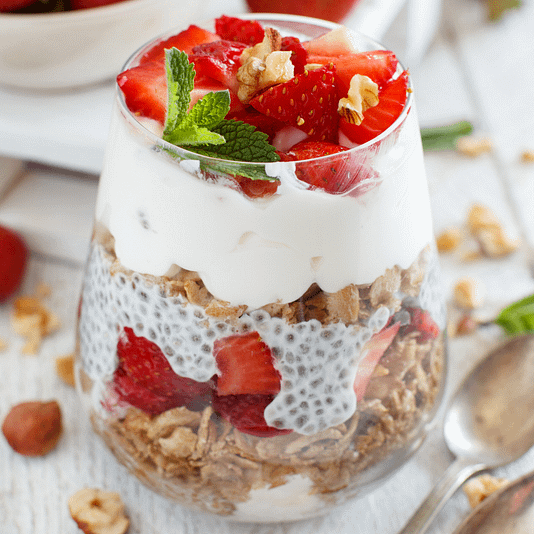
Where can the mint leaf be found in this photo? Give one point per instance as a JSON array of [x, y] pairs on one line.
[[243, 143], [518, 317], [180, 83], [444, 137], [210, 110], [192, 134], [497, 8]]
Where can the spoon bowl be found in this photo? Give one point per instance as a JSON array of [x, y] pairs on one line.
[[488, 423]]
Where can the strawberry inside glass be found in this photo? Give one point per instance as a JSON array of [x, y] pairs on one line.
[[261, 322]]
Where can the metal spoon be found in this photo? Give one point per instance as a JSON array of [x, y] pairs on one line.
[[507, 511], [489, 422]]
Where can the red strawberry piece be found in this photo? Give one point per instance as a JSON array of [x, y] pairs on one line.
[[145, 90], [14, 5], [308, 101], [218, 60], [248, 32], [245, 412], [185, 41], [391, 100], [423, 323], [374, 349], [379, 65], [88, 4], [299, 56], [335, 175], [245, 365], [13, 260], [145, 379], [257, 188]]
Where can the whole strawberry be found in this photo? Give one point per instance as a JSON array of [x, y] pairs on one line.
[[13, 260]]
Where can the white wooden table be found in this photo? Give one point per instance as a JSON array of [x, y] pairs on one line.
[[474, 70]]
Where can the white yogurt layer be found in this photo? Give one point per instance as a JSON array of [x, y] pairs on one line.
[[288, 502], [258, 252]]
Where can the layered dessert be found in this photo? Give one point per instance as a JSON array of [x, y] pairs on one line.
[[261, 323]]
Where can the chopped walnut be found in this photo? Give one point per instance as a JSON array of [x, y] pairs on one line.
[[449, 239], [488, 231], [33, 320], [65, 368], [363, 94], [478, 488], [263, 66], [98, 512], [473, 146], [469, 293]]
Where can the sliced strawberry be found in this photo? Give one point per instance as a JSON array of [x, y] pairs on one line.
[[257, 188], [186, 40], [245, 412], [218, 60], [145, 379], [308, 101], [379, 65], [13, 261], [423, 323], [374, 349], [337, 175], [87, 4], [245, 365], [391, 100], [14, 5], [248, 32], [299, 56], [145, 90]]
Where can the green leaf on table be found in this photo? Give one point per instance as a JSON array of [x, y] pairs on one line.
[[518, 317], [497, 8], [445, 137]]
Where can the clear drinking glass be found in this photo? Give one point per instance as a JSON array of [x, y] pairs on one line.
[[340, 291]]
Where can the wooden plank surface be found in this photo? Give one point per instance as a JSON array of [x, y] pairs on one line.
[[474, 70]]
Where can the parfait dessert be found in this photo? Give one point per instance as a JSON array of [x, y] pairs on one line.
[[261, 323]]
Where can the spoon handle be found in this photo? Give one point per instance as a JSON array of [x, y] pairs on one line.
[[456, 474]]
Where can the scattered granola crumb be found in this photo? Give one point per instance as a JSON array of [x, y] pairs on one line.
[[527, 156], [33, 320], [3, 345], [43, 290], [478, 488], [473, 146], [449, 239], [65, 368], [98, 512], [469, 293], [466, 325]]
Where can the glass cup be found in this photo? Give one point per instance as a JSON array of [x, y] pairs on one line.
[[337, 293]]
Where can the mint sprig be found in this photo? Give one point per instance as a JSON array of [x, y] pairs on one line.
[[517, 318], [204, 129], [444, 137]]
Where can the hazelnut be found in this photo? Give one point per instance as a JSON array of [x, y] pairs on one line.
[[33, 428]]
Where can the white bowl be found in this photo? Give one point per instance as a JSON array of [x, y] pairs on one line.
[[63, 50]]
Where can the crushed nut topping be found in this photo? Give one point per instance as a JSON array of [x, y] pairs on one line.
[[478, 488], [34, 321], [527, 156], [469, 293], [263, 66], [473, 146], [98, 512], [363, 94], [65, 368], [449, 239]]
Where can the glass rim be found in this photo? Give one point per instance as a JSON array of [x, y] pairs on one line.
[[187, 154]]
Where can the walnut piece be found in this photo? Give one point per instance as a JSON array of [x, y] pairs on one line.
[[98, 512], [469, 293], [33, 320], [263, 66], [478, 488], [473, 146], [363, 94], [65, 368]]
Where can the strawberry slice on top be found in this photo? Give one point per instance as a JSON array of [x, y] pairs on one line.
[[186, 40], [248, 32], [391, 100], [308, 101]]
